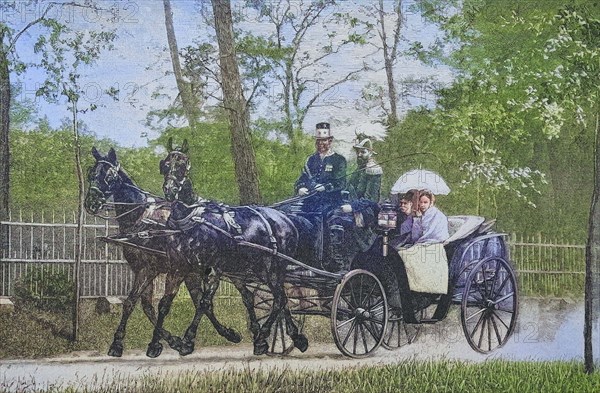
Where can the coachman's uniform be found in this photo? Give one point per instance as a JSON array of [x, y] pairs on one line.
[[330, 171]]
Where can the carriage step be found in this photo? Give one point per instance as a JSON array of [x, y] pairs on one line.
[[429, 320]]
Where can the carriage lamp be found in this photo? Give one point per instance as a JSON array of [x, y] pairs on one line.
[[388, 216], [387, 220]]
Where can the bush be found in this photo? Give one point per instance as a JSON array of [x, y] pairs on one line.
[[45, 289]]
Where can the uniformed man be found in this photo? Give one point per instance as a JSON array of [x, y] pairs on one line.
[[365, 182], [324, 173]]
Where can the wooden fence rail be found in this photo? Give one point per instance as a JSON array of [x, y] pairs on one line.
[[545, 267]]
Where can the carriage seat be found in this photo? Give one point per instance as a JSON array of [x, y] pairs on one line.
[[460, 227]]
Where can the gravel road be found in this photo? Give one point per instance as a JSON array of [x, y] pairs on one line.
[[546, 330]]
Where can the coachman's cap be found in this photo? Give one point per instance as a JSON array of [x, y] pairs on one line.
[[323, 131]]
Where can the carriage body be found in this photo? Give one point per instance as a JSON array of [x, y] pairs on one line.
[[481, 280]]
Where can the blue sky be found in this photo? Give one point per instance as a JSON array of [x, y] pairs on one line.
[[140, 63]]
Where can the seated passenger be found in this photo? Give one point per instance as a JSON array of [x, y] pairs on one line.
[[432, 225], [403, 235]]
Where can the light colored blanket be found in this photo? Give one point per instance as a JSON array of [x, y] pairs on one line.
[[426, 267]]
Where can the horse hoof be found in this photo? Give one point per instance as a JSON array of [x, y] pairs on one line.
[[187, 347], [154, 350], [176, 343], [260, 347], [116, 350], [301, 342], [233, 336]]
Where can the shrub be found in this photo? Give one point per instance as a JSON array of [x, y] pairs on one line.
[[46, 289]]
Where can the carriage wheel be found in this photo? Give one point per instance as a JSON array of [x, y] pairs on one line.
[[359, 314], [399, 333], [489, 304], [280, 343]]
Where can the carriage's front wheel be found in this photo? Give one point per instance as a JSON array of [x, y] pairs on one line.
[[489, 304], [359, 314]]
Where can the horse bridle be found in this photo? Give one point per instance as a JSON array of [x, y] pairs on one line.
[[112, 174], [167, 168]]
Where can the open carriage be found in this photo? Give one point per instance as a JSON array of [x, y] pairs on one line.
[[369, 307], [366, 304]]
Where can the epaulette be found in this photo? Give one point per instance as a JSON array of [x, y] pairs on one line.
[[374, 170]]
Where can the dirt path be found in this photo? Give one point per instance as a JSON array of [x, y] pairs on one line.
[[547, 330]]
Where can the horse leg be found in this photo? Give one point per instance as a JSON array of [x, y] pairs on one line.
[[299, 339], [172, 284], [193, 284], [141, 283], [275, 283], [202, 306], [248, 300]]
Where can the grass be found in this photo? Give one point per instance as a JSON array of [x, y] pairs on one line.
[[409, 376], [33, 334]]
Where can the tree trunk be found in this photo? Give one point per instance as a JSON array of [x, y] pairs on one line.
[[79, 230], [233, 96], [389, 69], [5, 101], [188, 101], [592, 259]]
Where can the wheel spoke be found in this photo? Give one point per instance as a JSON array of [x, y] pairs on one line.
[[498, 265], [503, 298], [364, 337], [342, 324], [482, 330], [492, 317], [475, 314], [368, 296], [508, 278], [371, 329], [349, 302], [476, 326], [356, 327], [350, 331], [500, 319]]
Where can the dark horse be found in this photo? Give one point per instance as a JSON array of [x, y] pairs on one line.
[[237, 242], [137, 213]]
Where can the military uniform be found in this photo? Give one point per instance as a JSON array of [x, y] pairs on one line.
[[329, 171], [366, 183]]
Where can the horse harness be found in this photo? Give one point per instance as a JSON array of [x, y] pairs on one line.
[[234, 230]]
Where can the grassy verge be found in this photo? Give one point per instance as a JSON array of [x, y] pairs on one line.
[[410, 376], [29, 333]]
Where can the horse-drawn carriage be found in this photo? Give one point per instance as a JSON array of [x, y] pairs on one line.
[[256, 248]]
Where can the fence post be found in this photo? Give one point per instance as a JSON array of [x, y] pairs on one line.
[[105, 259]]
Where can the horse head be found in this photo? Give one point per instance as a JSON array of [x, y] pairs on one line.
[[104, 178], [176, 168]]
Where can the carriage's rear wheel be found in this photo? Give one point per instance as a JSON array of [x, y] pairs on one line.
[[359, 314], [280, 343], [489, 304]]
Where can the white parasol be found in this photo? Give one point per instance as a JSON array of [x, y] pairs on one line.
[[421, 179]]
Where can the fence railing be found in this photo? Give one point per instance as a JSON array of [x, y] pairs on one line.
[[545, 267], [48, 242], [548, 267]]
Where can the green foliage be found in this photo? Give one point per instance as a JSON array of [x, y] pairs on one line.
[[46, 288], [42, 169], [212, 172], [526, 74]]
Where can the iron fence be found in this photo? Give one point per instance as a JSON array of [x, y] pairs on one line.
[[545, 267]]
